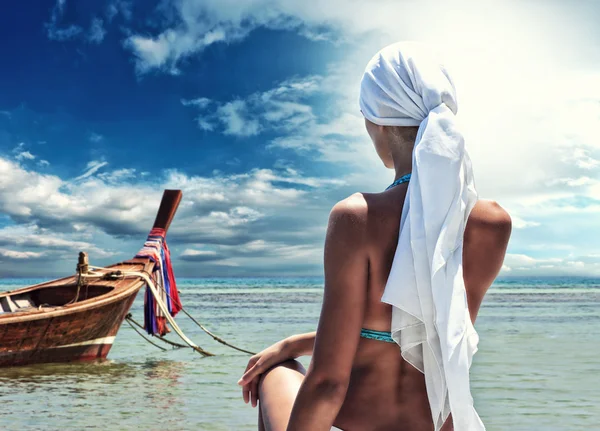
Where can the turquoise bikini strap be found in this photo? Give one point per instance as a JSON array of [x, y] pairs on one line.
[[377, 335]]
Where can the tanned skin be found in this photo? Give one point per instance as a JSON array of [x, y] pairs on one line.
[[354, 383]]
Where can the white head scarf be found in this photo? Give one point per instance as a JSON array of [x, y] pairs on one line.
[[405, 85]]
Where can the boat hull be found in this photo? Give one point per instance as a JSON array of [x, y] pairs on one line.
[[76, 336]]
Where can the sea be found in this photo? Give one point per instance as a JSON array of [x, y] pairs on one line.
[[537, 368]]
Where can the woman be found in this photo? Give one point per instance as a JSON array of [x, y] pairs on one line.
[[405, 273]]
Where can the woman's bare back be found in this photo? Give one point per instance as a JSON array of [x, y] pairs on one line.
[[385, 392]]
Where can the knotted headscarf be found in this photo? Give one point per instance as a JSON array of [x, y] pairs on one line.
[[404, 84]]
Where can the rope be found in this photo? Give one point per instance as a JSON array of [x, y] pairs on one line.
[[146, 277], [214, 336], [131, 320], [79, 284], [143, 336]]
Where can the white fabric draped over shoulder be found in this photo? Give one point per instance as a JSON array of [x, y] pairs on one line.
[[406, 85]]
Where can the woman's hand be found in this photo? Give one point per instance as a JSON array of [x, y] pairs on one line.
[[260, 363]]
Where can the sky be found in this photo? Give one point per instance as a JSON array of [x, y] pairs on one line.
[[251, 109]]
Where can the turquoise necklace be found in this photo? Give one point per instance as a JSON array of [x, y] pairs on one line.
[[402, 179]]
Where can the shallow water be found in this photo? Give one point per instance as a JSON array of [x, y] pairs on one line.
[[537, 366]]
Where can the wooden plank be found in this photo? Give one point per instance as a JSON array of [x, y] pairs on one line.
[[168, 207]]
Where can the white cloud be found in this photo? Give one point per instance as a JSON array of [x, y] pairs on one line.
[[519, 223], [279, 108], [97, 32], [166, 49], [25, 155], [483, 28], [19, 148], [550, 131], [574, 182], [92, 167], [29, 236], [551, 246], [111, 11], [521, 264], [583, 160], [219, 208], [150, 53], [200, 102], [194, 253], [102, 212], [257, 250], [19, 255], [117, 7], [337, 137], [19, 189], [205, 125], [95, 137], [57, 33], [262, 220], [201, 23], [118, 176], [234, 116], [62, 34], [21, 154]]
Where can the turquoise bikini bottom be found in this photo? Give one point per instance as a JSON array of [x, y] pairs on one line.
[[377, 335]]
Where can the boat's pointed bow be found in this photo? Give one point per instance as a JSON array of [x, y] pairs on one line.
[[167, 209]]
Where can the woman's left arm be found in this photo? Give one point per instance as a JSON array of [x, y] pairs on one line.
[[323, 390]]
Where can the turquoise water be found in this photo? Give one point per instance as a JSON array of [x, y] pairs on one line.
[[537, 367]]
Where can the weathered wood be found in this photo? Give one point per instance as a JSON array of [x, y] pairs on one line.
[[168, 207], [83, 263]]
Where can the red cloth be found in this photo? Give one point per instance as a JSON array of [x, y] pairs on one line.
[[152, 250], [174, 293]]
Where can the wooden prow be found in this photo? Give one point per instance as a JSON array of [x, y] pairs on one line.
[[168, 207], [83, 265]]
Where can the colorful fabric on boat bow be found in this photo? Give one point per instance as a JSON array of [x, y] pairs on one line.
[[157, 250]]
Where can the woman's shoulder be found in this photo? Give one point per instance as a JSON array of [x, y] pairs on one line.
[[355, 205], [489, 216], [371, 212], [488, 230], [349, 216]]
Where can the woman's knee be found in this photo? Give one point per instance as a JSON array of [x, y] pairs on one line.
[[281, 372], [277, 391], [294, 365], [285, 367]]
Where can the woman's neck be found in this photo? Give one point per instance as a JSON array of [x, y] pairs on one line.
[[402, 149], [402, 162]]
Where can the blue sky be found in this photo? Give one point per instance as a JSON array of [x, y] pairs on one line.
[[251, 109]]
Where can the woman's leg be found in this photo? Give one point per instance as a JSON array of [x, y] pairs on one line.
[[277, 390], [261, 423]]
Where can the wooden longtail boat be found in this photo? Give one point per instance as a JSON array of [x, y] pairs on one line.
[[73, 318]]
